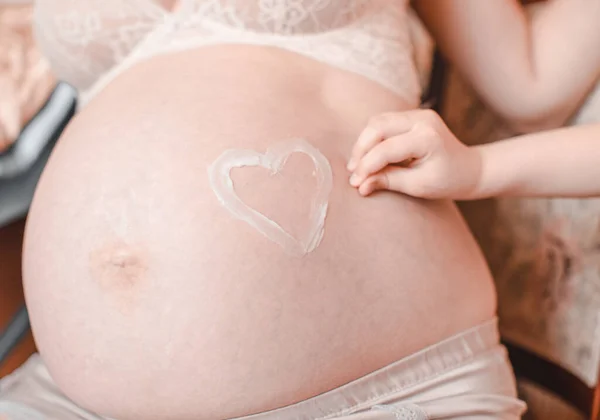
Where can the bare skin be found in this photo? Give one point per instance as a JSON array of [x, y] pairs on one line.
[[119, 269], [535, 72], [419, 156], [226, 324], [221, 322]]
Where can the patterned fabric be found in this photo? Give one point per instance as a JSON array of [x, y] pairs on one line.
[[405, 412], [89, 43]]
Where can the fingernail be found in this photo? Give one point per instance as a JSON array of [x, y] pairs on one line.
[[351, 165], [354, 180]]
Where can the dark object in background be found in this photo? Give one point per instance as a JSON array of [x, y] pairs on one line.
[[20, 168], [14, 333], [21, 164]]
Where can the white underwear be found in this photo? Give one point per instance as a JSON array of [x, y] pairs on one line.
[[466, 376]]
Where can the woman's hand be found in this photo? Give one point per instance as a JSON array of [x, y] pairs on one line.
[[416, 154], [25, 77]]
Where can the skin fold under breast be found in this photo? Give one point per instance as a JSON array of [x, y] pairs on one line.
[[150, 300]]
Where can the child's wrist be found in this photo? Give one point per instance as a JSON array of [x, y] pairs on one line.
[[474, 178]]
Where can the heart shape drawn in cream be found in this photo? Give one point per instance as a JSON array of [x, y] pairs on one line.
[[273, 160]]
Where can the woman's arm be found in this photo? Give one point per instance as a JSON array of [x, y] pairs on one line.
[[416, 154], [25, 77], [534, 72]]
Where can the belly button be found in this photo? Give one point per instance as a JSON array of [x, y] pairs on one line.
[[118, 267]]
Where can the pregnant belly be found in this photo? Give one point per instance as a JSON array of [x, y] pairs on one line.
[[150, 299]]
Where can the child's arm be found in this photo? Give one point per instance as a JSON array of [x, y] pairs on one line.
[[416, 154], [533, 71], [564, 162]]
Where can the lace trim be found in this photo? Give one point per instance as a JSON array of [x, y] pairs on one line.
[[90, 46], [84, 40], [406, 411]]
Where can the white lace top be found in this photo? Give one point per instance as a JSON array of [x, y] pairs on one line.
[[89, 42]]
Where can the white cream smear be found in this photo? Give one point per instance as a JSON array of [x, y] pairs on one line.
[[274, 160]]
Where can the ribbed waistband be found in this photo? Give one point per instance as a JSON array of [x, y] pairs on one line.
[[404, 374]]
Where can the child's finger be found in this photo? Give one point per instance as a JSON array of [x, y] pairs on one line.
[[377, 182], [391, 151], [392, 178], [378, 129]]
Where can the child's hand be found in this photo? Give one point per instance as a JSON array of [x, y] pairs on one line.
[[416, 154]]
